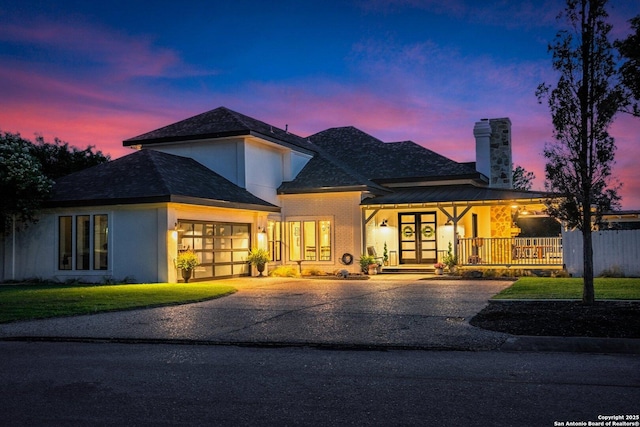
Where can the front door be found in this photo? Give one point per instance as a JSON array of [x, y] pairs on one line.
[[418, 238]]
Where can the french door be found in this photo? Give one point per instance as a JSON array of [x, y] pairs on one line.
[[417, 233]]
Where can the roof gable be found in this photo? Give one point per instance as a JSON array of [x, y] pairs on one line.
[[218, 123], [387, 162], [150, 176], [324, 174]]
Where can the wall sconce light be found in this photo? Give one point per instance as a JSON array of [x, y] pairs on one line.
[[384, 223], [448, 222], [261, 230]]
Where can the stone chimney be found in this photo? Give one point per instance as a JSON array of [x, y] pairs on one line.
[[493, 151]]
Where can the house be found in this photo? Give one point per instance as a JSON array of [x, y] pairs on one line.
[[221, 183]]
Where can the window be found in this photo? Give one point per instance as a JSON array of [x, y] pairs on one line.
[[310, 240], [100, 234], [82, 242], [65, 247], [274, 239]]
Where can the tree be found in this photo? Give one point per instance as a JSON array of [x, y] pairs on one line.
[[23, 185], [58, 159], [629, 49], [583, 105], [28, 171], [522, 179]]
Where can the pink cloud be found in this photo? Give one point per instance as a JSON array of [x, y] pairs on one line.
[[124, 56]]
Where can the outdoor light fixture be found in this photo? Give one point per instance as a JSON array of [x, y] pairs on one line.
[[383, 223]]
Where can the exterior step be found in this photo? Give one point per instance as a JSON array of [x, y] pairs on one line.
[[412, 270]]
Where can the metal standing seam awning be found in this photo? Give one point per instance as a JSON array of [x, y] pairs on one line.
[[452, 195], [463, 196]]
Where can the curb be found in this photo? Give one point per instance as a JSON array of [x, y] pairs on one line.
[[250, 344], [571, 344], [511, 345]]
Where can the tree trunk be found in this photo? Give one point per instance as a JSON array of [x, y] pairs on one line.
[[588, 294], [585, 95]]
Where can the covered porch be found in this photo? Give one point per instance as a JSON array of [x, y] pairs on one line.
[[414, 228]]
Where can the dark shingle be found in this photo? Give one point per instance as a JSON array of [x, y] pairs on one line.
[[218, 123], [150, 176], [387, 162], [323, 174]]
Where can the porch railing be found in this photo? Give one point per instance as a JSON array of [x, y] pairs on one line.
[[524, 251]]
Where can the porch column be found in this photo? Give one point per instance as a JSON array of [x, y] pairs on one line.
[[454, 219]]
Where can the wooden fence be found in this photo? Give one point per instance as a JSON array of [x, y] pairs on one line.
[[613, 250]]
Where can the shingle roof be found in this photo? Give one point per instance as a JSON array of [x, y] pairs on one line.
[[387, 162], [452, 193], [324, 174], [148, 176], [218, 123]]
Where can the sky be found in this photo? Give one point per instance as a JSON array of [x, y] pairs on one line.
[[97, 73]]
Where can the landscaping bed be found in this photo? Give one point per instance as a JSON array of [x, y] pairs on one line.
[[611, 319]]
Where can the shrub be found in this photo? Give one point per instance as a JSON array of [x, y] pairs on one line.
[[284, 271], [313, 271], [471, 274], [560, 274], [450, 260], [489, 273], [613, 271]]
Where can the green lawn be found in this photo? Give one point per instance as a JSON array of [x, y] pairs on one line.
[[23, 302], [558, 288]]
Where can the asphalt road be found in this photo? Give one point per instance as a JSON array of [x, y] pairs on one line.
[[69, 384]]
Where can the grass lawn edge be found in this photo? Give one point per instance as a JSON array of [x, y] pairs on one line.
[[77, 311]]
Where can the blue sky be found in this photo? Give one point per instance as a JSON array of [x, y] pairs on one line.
[[101, 72]]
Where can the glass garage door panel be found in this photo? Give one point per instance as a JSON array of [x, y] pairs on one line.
[[221, 247]]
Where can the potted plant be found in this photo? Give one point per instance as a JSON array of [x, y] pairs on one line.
[[385, 255], [439, 268], [258, 258], [187, 261], [450, 260], [368, 264]]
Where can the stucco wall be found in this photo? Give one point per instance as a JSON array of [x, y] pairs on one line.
[[225, 157], [344, 211], [137, 247], [250, 163], [140, 240], [264, 171], [33, 255], [132, 242]]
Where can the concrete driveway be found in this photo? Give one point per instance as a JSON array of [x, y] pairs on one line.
[[400, 311]]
